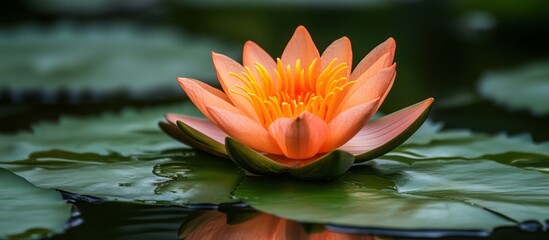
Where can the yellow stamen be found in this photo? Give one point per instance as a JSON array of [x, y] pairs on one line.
[[293, 90]]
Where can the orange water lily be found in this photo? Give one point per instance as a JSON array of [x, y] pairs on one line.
[[304, 113]]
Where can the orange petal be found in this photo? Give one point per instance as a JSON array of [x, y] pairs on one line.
[[340, 49], [365, 91], [380, 57], [200, 124], [245, 130], [224, 66], [299, 138], [202, 97], [218, 93], [386, 133], [253, 54], [347, 124], [302, 47]]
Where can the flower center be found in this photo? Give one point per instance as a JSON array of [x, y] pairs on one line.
[[294, 90]]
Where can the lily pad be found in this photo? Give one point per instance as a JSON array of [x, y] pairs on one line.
[[180, 176], [29, 212], [115, 60], [431, 131], [523, 88], [121, 134], [518, 194], [119, 157], [456, 145], [449, 195]]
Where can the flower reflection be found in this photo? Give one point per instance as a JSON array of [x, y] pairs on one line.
[[252, 226]]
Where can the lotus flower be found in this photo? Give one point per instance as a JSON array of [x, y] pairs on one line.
[[304, 113]]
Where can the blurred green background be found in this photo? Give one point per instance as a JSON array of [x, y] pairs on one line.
[[485, 62]]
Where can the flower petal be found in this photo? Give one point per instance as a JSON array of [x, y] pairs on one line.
[[342, 51], [365, 91], [253, 54], [199, 124], [302, 47], [380, 57], [347, 124], [299, 138], [245, 130], [386, 133], [202, 97], [325, 166], [218, 93], [224, 66]]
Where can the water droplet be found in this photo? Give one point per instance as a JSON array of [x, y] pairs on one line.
[[531, 226]]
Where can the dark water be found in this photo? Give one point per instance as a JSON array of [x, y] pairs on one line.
[[112, 220]]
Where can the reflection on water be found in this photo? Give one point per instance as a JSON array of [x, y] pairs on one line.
[[251, 225], [111, 220]]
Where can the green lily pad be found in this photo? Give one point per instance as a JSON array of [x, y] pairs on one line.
[[475, 146], [120, 157], [103, 60], [518, 194], [29, 212], [432, 142], [128, 132], [523, 88], [180, 176], [431, 131], [448, 194]]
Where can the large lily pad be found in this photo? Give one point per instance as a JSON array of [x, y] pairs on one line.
[[512, 192], [180, 176], [116, 134], [432, 142], [102, 60], [472, 147], [120, 157], [523, 88], [27, 211], [431, 131], [448, 194]]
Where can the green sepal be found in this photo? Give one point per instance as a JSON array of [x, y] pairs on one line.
[[328, 166], [198, 140], [250, 160]]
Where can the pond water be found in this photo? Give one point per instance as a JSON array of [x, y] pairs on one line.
[[83, 87], [135, 221]]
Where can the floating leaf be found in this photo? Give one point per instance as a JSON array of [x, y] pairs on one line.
[[116, 60], [172, 177], [446, 194], [474, 146], [431, 131], [29, 212], [525, 87], [128, 132], [518, 194], [119, 157]]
